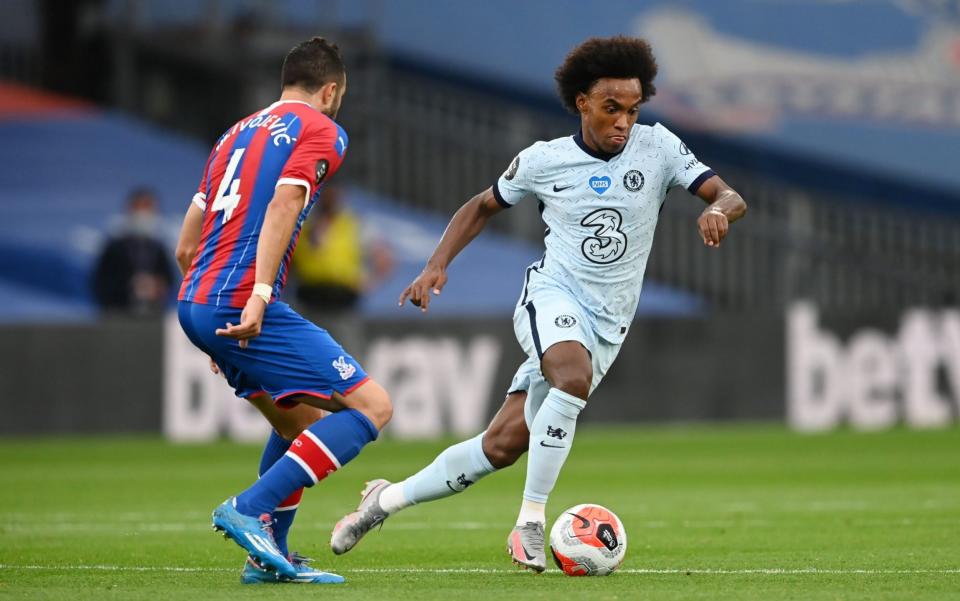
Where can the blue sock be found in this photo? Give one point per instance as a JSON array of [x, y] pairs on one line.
[[282, 516], [319, 451]]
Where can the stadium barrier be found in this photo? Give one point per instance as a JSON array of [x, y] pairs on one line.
[[103, 377], [815, 370]]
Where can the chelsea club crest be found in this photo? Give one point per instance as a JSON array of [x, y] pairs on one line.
[[633, 180]]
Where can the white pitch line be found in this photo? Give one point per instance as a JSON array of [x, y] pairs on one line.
[[161, 528], [109, 568], [664, 571], [200, 526], [651, 571]]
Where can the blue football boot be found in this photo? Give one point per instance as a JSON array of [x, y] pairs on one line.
[[254, 535], [254, 573]]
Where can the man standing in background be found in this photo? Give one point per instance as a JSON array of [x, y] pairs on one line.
[[133, 273]]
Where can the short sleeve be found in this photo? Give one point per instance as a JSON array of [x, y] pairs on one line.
[[317, 155], [518, 180], [682, 166]]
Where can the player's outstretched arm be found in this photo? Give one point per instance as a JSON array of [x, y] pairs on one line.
[[189, 239], [466, 223], [278, 225], [724, 207]]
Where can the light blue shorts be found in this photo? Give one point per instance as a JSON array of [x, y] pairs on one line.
[[554, 316]]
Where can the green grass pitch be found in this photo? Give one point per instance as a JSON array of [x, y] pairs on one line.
[[737, 512]]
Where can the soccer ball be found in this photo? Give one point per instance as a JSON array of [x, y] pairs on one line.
[[588, 540]]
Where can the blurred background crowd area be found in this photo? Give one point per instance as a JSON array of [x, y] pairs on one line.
[[838, 122]]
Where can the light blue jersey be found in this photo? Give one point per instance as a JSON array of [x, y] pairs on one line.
[[601, 212]]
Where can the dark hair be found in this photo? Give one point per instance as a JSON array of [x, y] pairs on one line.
[[619, 57], [139, 193], [311, 64]]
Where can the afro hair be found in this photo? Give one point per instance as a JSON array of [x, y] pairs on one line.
[[619, 57]]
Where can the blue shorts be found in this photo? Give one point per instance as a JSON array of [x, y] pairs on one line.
[[290, 357]]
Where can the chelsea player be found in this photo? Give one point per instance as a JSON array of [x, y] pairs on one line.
[[600, 192]]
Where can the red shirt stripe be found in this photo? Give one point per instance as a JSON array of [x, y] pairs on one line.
[[234, 227], [289, 141]]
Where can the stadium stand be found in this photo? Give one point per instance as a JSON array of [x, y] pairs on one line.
[[54, 225]]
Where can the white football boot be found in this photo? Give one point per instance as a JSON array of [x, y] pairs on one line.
[[353, 526]]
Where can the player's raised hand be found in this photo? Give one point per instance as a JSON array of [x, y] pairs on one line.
[[431, 279], [251, 321], [713, 225]]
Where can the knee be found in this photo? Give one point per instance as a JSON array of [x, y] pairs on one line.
[[384, 412], [377, 407], [379, 411], [503, 449], [576, 384]]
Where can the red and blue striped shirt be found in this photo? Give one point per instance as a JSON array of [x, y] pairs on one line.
[[289, 142]]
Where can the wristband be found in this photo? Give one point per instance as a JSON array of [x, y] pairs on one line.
[[264, 291]]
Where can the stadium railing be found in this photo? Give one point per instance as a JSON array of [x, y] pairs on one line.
[[439, 138], [433, 138]]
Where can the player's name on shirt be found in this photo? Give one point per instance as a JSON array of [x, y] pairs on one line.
[[279, 126]]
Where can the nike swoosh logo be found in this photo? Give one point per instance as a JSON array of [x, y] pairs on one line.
[[451, 488], [584, 522], [517, 543], [552, 446], [559, 189]]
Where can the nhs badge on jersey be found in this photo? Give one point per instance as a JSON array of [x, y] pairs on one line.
[[600, 184]]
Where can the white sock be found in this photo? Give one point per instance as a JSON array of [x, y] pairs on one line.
[[551, 436], [456, 468], [531, 511], [392, 499]]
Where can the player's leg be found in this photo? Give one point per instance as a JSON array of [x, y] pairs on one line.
[[573, 374], [253, 533], [464, 463], [505, 439], [287, 425], [552, 429], [359, 412], [451, 472], [568, 369], [459, 466], [294, 361], [552, 328], [293, 421]]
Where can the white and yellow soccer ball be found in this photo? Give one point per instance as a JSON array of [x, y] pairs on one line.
[[588, 540]]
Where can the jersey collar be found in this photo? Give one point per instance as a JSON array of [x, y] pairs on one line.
[[297, 101], [279, 102], [597, 154]]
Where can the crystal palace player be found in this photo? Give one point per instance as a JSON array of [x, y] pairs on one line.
[[600, 193], [239, 233]]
